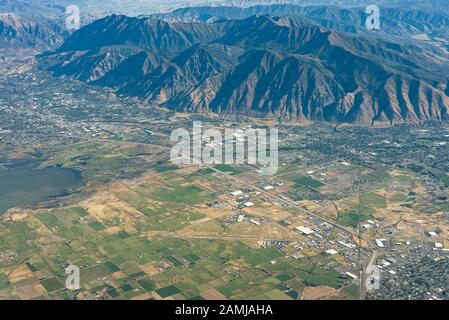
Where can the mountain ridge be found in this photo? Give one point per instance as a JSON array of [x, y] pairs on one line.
[[281, 67], [21, 32]]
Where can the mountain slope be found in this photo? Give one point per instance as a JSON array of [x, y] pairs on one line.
[[19, 32], [284, 67], [403, 20]]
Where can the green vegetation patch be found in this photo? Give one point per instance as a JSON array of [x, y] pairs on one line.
[[80, 211], [32, 267], [50, 220], [324, 277], [148, 284], [307, 182], [400, 197], [293, 294], [234, 287], [440, 175], [111, 266], [373, 199], [175, 261], [165, 168], [4, 283], [97, 226], [189, 195], [377, 176], [230, 169], [52, 284], [137, 274], [94, 273], [353, 218], [284, 277], [256, 257], [207, 171], [352, 291], [167, 291], [123, 235], [191, 258], [126, 287], [113, 293], [196, 298]]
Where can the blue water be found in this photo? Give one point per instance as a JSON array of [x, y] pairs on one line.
[[24, 184]]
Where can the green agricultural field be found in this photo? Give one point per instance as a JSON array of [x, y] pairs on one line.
[[167, 291], [324, 277], [165, 168], [80, 211], [4, 284], [284, 277], [97, 226], [353, 291], [378, 177], [111, 266], [189, 195], [147, 284], [52, 284], [440, 175], [307, 182], [373, 199], [104, 255], [230, 169], [123, 255], [354, 217], [399, 197]]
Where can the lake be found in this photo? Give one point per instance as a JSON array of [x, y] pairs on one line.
[[23, 184]]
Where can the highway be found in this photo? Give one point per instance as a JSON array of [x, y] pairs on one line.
[[286, 201]]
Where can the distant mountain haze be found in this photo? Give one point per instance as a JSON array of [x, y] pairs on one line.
[[55, 9], [395, 20], [20, 32]]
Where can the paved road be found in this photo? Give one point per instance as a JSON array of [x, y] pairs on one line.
[[364, 275], [291, 203], [177, 235], [246, 183]]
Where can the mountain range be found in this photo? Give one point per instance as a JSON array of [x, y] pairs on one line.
[[282, 67], [395, 20], [20, 32]]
